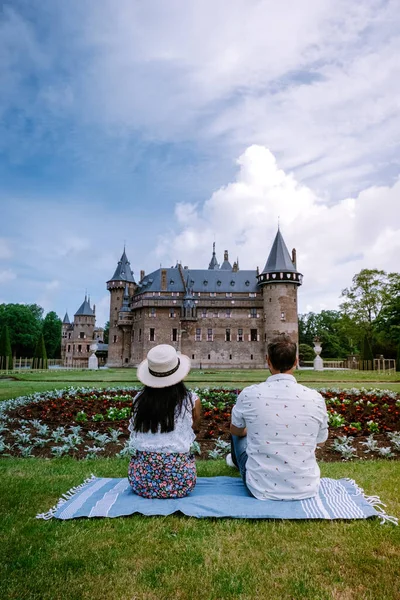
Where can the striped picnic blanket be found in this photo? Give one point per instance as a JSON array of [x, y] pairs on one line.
[[217, 497]]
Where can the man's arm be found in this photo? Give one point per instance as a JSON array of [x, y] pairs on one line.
[[239, 431]]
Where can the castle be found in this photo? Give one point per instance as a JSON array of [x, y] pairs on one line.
[[221, 317], [77, 337]]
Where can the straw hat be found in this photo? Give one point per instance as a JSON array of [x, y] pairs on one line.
[[163, 367]]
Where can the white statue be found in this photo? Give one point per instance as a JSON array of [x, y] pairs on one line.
[[318, 362], [93, 360]]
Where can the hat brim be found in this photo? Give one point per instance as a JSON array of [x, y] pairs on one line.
[[148, 379]]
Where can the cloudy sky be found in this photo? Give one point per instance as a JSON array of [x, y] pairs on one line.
[[168, 125]]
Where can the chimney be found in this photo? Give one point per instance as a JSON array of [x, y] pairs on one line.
[[94, 309], [258, 271], [142, 274], [294, 258], [226, 255], [163, 280]]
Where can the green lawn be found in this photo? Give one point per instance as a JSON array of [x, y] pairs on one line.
[[180, 557], [183, 558]]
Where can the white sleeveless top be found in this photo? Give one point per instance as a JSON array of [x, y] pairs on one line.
[[178, 440]]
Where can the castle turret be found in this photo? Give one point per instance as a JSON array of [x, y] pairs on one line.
[[121, 284], [226, 265], [279, 281], [65, 329], [213, 262]]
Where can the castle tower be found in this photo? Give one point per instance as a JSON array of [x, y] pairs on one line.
[[279, 281], [213, 262], [66, 326], [122, 284]]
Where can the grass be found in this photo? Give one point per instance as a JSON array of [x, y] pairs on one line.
[[180, 557], [183, 558], [29, 382]]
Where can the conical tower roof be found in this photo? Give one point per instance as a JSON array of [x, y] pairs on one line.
[[226, 265], [280, 268], [84, 309], [66, 320], [123, 272], [279, 257], [213, 262]]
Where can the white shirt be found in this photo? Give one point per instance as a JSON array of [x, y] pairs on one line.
[[285, 421], [178, 440]]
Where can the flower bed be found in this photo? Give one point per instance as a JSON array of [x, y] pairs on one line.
[[87, 423]]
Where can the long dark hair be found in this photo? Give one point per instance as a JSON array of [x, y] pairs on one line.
[[155, 409]]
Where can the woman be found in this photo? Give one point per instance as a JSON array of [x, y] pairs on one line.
[[163, 417]]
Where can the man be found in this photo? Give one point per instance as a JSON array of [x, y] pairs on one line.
[[276, 426]]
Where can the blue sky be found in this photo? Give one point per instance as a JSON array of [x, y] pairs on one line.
[[170, 125]]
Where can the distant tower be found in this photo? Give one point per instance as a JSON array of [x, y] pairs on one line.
[[213, 262], [66, 326], [279, 281], [121, 286]]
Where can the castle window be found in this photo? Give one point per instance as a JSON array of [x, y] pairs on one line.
[[69, 347], [253, 313], [205, 282], [140, 335], [174, 336], [232, 282], [216, 314], [210, 336], [172, 313], [228, 294], [126, 360], [228, 313], [283, 316], [240, 335], [88, 348], [253, 335], [198, 335], [133, 335], [152, 334], [115, 339], [192, 356], [82, 335], [227, 335], [230, 357], [69, 336], [213, 294], [218, 282], [251, 357], [252, 295], [79, 348], [247, 283], [270, 299], [152, 312], [204, 313]]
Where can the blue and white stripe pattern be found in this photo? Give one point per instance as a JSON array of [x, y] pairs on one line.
[[217, 497]]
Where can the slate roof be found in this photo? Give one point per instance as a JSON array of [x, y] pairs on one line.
[[84, 309], [279, 258], [201, 280], [66, 320], [123, 272]]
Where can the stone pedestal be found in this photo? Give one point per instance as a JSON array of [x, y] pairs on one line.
[[93, 360], [318, 362]]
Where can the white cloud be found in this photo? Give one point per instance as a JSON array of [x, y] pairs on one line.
[[5, 249], [7, 275], [333, 241]]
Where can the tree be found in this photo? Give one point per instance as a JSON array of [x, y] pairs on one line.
[[6, 358], [306, 352], [366, 355], [40, 354], [24, 322], [106, 332], [330, 327], [51, 329]]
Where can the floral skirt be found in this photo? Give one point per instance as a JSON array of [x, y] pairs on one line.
[[162, 474]]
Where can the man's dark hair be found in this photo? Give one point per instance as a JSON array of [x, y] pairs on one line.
[[282, 353]]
